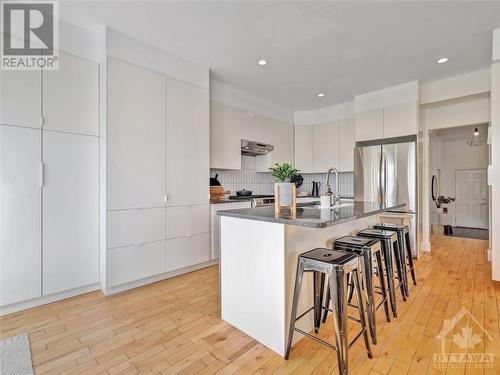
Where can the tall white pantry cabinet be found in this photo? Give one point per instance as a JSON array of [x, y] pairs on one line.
[[157, 176], [49, 183]]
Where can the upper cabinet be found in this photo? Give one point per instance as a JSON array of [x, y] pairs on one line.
[[400, 120], [319, 147], [304, 148], [71, 96], [136, 136], [370, 125], [229, 125], [225, 136], [325, 146], [21, 98], [389, 122], [347, 131], [188, 135]]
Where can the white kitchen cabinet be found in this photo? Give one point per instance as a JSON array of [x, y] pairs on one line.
[[21, 98], [325, 146], [188, 137], [400, 120], [131, 227], [215, 223], [370, 125], [20, 214], [184, 221], [136, 137], [187, 251], [131, 263], [304, 148], [346, 145], [70, 211], [225, 136], [71, 96]]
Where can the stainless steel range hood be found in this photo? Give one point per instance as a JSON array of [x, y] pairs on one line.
[[253, 148]]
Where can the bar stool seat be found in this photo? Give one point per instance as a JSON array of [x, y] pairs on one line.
[[370, 255], [336, 265], [390, 249], [405, 250]]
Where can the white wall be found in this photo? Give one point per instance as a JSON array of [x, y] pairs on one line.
[[326, 114], [494, 170], [496, 45]]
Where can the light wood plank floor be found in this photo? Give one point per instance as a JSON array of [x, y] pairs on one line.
[[173, 327]]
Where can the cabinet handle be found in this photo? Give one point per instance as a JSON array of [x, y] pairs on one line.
[[165, 198], [42, 174]]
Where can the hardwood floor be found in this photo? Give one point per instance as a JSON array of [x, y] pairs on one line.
[[173, 327]]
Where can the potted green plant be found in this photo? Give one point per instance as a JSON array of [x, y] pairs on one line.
[[284, 189]]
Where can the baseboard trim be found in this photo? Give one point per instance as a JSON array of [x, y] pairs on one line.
[[43, 300], [425, 246], [488, 252], [153, 279]]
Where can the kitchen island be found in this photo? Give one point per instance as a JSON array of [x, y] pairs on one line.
[[259, 252]]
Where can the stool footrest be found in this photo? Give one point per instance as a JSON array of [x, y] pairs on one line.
[[331, 346]]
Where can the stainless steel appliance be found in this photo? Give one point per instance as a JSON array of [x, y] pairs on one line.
[[253, 148], [386, 171], [256, 200]]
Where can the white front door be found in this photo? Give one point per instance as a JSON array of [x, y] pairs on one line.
[[471, 201]]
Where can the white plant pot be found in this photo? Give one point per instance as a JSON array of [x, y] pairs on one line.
[[286, 192]]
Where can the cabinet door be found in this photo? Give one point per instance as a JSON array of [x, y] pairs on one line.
[[136, 262], [187, 251], [21, 98], [184, 221], [325, 146], [400, 120], [20, 210], [303, 148], [70, 211], [370, 125], [132, 227], [225, 137], [71, 96], [187, 144], [346, 145], [136, 137]]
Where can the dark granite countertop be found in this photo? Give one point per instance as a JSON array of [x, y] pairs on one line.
[[310, 216]]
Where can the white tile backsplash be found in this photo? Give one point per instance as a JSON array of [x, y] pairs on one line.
[[263, 182]]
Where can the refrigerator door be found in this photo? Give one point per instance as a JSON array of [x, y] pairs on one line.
[[367, 176], [399, 174]]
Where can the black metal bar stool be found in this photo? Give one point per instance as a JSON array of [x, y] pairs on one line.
[[390, 249], [337, 265], [370, 256], [405, 250]]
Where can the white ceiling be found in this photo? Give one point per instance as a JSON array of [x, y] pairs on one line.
[[339, 48]]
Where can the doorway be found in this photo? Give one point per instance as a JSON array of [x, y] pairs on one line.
[[459, 160]]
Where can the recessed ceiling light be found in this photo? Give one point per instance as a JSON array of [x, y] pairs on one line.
[[442, 60], [320, 95], [262, 62]]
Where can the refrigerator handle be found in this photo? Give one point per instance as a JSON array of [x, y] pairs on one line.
[[385, 176], [380, 178]]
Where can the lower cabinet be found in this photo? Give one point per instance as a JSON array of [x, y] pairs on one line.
[[187, 251], [131, 263]]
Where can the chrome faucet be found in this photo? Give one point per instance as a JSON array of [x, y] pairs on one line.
[[335, 197]]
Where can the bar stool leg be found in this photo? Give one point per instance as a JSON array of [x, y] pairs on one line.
[[296, 294], [319, 286], [362, 312], [367, 277], [350, 288], [390, 275], [327, 303], [337, 281], [399, 269], [402, 256], [383, 287], [410, 258]]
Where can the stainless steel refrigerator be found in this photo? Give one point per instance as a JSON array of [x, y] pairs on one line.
[[386, 171]]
